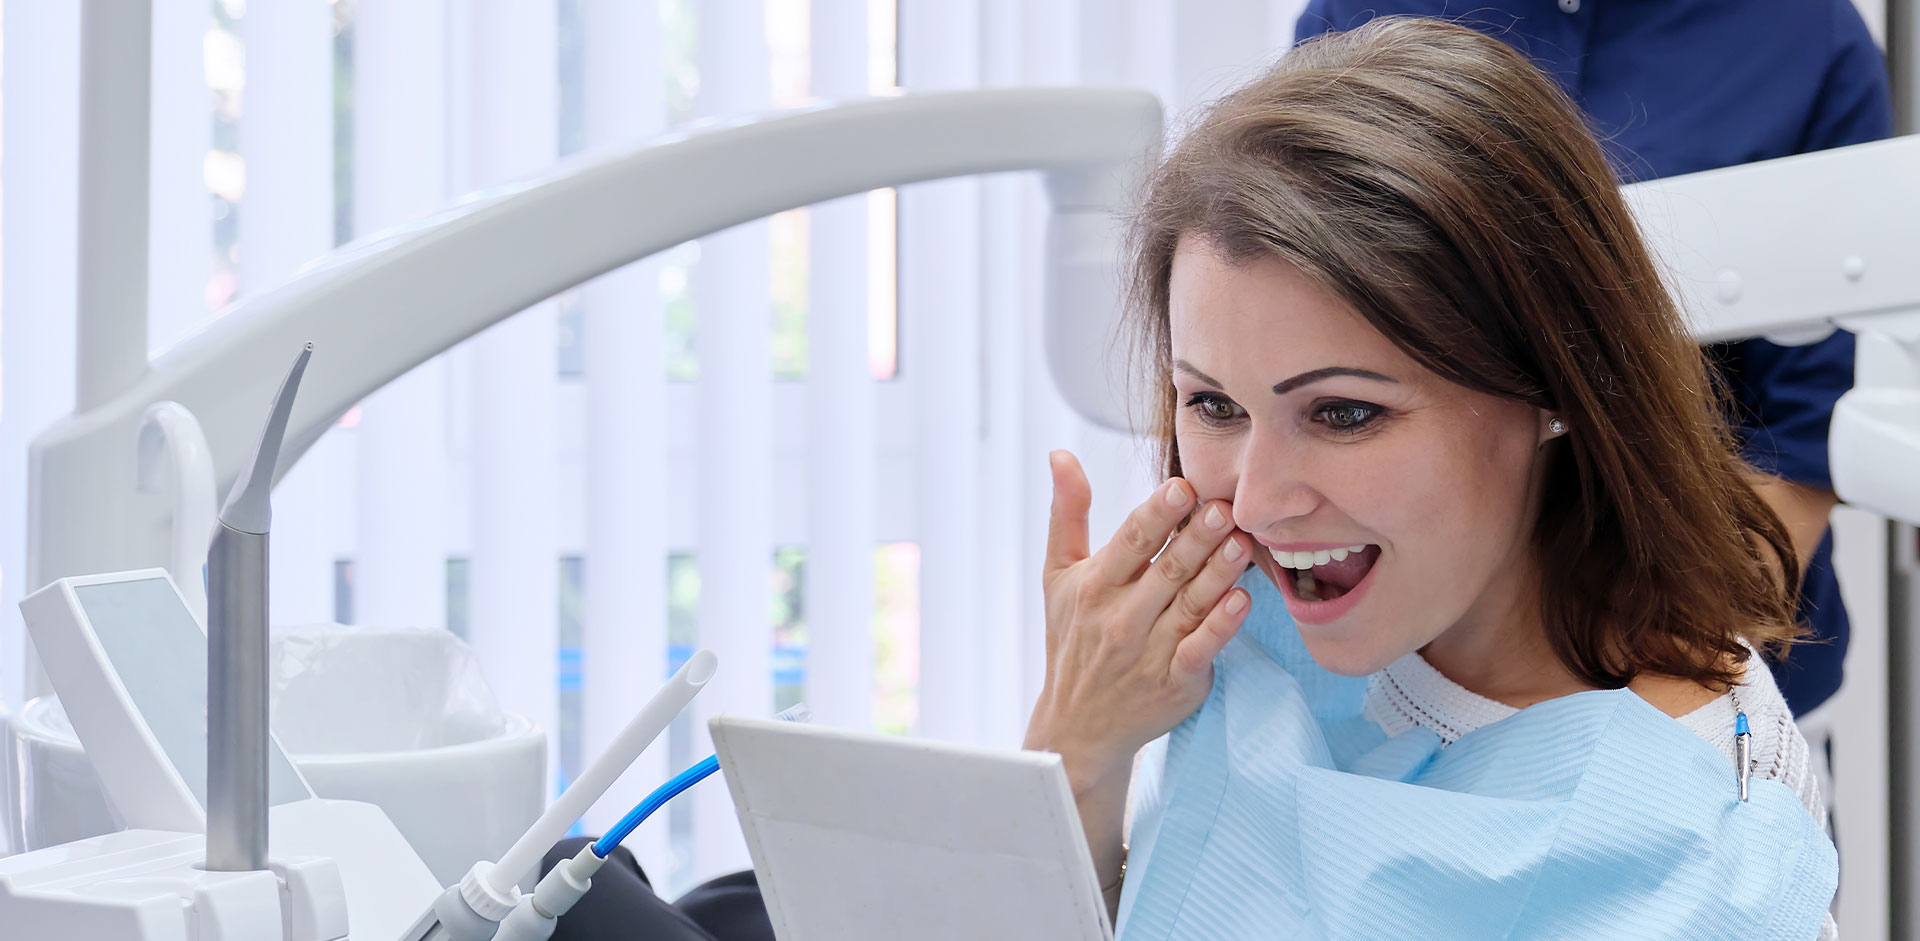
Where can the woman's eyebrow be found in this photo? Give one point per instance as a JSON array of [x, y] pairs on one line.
[[1288, 385], [1285, 386], [1181, 365]]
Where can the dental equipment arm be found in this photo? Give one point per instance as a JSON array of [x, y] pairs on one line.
[[470, 910], [237, 651], [401, 297], [645, 726], [534, 917], [1790, 249]]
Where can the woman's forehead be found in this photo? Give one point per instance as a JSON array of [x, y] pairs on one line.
[[1258, 320]]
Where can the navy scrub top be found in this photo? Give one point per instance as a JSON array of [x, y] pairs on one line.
[[1678, 86]]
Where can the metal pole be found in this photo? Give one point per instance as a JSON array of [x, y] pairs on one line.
[[1903, 574], [237, 606], [1903, 663], [236, 700], [1903, 660], [1903, 41]]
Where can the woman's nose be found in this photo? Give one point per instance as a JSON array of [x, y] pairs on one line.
[[1269, 493]]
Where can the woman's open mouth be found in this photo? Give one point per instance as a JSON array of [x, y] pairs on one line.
[[1323, 584]]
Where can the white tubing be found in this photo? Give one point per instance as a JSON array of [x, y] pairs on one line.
[[645, 727]]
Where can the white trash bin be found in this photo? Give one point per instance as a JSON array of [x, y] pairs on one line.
[[54, 796]]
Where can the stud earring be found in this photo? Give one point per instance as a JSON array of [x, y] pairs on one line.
[[1556, 426]]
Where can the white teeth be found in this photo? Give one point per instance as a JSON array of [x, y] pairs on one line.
[[1307, 560], [1285, 559]]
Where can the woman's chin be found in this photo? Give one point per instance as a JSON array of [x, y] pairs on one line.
[[1345, 658]]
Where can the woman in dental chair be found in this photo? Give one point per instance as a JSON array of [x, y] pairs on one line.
[[1447, 620], [1490, 671]]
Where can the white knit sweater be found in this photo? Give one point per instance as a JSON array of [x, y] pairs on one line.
[[1410, 693]]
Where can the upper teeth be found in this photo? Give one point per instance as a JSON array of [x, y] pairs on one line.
[[1307, 560]]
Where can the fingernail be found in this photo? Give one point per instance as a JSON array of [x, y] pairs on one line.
[[1176, 494], [1235, 602], [1214, 519], [1233, 549]]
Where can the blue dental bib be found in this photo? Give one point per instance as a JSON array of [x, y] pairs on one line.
[[1278, 811]]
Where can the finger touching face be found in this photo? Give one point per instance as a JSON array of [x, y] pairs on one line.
[[1387, 504]]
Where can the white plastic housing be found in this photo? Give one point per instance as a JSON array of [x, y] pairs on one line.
[[1874, 442], [145, 885], [1776, 247], [1088, 352]]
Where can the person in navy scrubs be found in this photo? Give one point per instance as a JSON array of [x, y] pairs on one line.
[[1679, 86]]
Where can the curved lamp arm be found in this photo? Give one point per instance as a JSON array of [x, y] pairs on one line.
[[1791, 249], [402, 296]]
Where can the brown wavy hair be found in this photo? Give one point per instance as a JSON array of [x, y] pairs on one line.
[[1441, 185]]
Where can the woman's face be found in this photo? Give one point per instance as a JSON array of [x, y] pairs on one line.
[[1325, 437]]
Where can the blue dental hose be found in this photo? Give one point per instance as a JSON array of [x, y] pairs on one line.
[[533, 916], [654, 801], [672, 789]]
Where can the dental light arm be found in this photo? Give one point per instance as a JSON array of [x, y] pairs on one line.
[[1777, 247], [1789, 249], [403, 296]]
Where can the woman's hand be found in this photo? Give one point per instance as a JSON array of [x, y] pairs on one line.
[[1130, 637]]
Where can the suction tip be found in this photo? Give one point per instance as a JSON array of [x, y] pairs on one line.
[[700, 667], [248, 509]]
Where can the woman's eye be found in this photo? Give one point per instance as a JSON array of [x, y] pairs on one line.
[[1346, 416], [1213, 409]]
